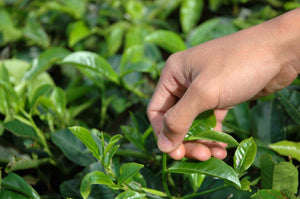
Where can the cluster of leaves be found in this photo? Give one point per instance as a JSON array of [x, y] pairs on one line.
[[70, 67]]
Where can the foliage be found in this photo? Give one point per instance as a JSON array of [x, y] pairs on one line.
[[68, 68]]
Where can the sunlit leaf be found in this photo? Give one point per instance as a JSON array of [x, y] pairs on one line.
[[59, 98], [213, 167], [131, 194], [287, 148], [127, 171], [244, 155], [154, 192], [190, 13]]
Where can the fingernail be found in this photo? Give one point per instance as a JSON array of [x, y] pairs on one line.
[[164, 144]]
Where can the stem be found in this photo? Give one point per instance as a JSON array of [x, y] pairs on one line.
[[204, 192], [164, 175]]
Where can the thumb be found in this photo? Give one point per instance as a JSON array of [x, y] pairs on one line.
[[178, 119]]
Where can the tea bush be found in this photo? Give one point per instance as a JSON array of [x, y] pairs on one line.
[[76, 77]]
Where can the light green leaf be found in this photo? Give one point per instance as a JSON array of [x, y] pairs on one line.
[[72, 147], [287, 148], [291, 5], [78, 31], [213, 167], [196, 180], [7, 28], [20, 129], [44, 61], [94, 62], [75, 7], [131, 194], [95, 177], [127, 171], [135, 9], [85, 136], [204, 121], [212, 135], [268, 194], [135, 36], [190, 13], [34, 31], [59, 99], [16, 69], [114, 37], [44, 89], [244, 155], [16, 183], [111, 143], [9, 90], [168, 40], [281, 176], [154, 192], [291, 102], [4, 76]]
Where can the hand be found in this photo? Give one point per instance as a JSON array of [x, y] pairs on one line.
[[219, 74]]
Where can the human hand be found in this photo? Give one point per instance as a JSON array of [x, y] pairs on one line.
[[219, 74]]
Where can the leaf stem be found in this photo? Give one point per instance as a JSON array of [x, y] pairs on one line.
[[164, 175], [204, 192]]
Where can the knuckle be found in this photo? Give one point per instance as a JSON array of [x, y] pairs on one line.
[[173, 124]]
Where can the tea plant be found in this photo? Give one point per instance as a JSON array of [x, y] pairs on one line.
[[68, 68]]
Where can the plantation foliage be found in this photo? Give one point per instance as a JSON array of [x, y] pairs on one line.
[[75, 80]]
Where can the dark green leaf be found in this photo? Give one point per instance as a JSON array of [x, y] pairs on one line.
[[213, 167], [21, 129], [190, 13], [291, 102], [281, 176], [211, 135], [26, 164], [16, 183], [127, 171], [44, 61], [94, 62], [267, 121], [131, 194], [287, 148], [167, 40], [244, 155], [85, 136], [268, 194], [134, 136], [7, 194], [95, 177], [72, 147]]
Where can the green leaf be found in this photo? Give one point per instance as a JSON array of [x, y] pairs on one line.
[[267, 121], [114, 37], [281, 176], [7, 194], [135, 9], [78, 31], [211, 135], [16, 69], [59, 99], [244, 155], [127, 171], [196, 180], [44, 61], [204, 121], [44, 89], [16, 183], [287, 148], [35, 32], [85, 136], [154, 192], [95, 177], [168, 40], [268, 194], [190, 13], [4, 76], [94, 62], [72, 147], [135, 36], [291, 5], [7, 28], [111, 143], [131, 194], [20, 129], [24, 164], [291, 102], [134, 136], [9, 90], [213, 167]]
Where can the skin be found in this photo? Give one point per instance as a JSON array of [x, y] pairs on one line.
[[220, 74]]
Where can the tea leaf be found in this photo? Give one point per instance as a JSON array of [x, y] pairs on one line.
[[130, 194], [190, 13], [244, 155], [127, 171], [79, 31], [287, 148], [213, 167], [20, 129], [268, 194]]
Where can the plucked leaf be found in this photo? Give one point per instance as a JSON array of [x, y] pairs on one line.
[[94, 62], [72, 147], [244, 155], [85, 136], [213, 167], [190, 13], [21, 129], [168, 40], [127, 171], [44, 61], [291, 102], [131, 194], [287, 148], [16, 183], [95, 177]]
